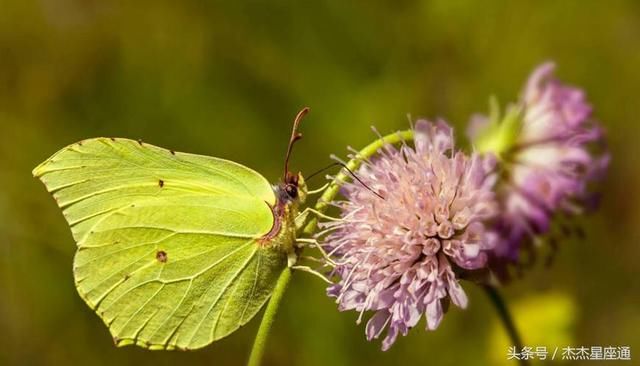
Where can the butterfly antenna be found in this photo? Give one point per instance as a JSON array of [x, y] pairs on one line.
[[295, 136], [344, 166]]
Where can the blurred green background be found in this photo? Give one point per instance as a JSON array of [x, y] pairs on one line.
[[226, 79]]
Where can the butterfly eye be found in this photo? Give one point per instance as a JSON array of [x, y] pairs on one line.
[[292, 190]]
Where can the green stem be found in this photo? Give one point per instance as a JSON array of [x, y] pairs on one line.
[[267, 319], [505, 318], [329, 194]]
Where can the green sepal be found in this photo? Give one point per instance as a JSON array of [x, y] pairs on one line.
[[501, 133]]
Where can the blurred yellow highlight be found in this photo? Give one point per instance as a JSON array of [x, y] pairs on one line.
[[546, 320]]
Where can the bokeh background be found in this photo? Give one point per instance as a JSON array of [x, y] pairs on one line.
[[226, 79]]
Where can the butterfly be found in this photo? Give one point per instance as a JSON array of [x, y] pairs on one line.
[[174, 250]]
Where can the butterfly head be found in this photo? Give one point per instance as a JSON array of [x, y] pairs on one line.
[[294, 187]]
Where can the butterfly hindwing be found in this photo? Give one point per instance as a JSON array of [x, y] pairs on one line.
[[169, 251]]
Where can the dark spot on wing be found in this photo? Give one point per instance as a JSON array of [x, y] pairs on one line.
[[161, 183], [140, 142], [161, 256], [172, 152], [113, 139]]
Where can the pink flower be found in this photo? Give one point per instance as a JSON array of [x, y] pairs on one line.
[[552, 157], [549, 162], [401, 256]]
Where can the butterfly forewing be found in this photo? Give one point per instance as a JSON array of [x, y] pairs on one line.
[[168, 243]]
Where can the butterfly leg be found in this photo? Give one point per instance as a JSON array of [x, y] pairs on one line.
[[302, 217], [314, 243], [317, 260], [301, 220], [313, 272], [319, 190]]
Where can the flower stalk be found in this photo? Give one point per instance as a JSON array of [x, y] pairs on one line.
[[367, 152], [257, 351], [505, 318]]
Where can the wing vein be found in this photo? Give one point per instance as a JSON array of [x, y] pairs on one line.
[[224, 289]]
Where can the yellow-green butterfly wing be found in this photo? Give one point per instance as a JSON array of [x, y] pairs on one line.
[[170, 250]]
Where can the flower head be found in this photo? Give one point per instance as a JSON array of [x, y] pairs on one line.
[[549, 154], [400, 256]]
